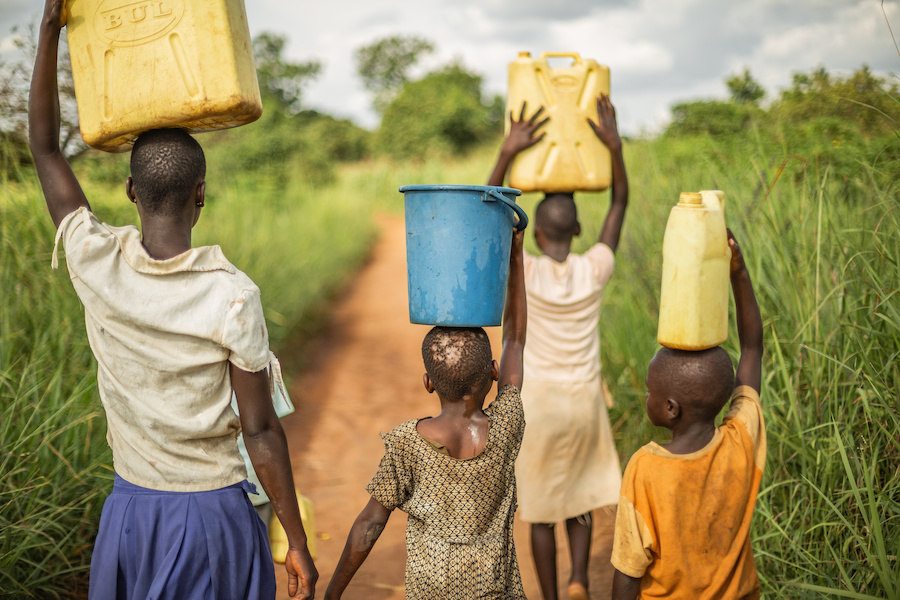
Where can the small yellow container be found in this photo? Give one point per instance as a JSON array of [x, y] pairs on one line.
[[278, 541], [570, 157], [148, 64], [693, 306]]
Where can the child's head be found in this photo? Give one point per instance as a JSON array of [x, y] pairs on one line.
[[688, 386], [556, 218], [458, 361], [167, 165]]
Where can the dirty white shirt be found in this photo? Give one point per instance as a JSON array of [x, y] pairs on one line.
[[163, 333], [563, 310]]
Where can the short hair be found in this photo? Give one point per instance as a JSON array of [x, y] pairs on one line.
[[457, 359], [166, 165], [557, 216], [701, 381]]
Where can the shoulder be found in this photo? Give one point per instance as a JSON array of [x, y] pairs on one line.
[[746, 409], [602, 260], [81, 224], [508, 400], [402, 435]]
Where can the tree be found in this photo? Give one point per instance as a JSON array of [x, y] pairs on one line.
[[15, 79], [280, 79], [744, 89], [865, 99], [384, 65], [442, 113]]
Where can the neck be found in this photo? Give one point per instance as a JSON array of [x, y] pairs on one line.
[[558, 251], [465, 408], [165, 236], [690, 437]]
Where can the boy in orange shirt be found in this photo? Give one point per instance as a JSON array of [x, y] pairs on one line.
[[683, 522]]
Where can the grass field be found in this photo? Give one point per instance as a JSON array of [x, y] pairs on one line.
[[823, 248]]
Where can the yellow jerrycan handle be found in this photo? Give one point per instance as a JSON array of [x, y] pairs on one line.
[[573, 55]]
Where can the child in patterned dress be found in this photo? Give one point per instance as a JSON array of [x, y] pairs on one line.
[[454, 474]]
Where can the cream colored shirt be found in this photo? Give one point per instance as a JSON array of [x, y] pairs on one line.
[[563, 310], [163, 333]]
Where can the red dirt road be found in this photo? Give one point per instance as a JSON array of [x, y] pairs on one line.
[[364, 376]]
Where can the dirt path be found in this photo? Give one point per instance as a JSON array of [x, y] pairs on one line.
[[363, 377]]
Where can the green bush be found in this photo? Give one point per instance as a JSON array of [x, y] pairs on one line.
[[441, 114]]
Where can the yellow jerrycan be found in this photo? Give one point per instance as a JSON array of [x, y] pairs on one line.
[[147, 64], [570, 157], [278, 541], [693, 306]]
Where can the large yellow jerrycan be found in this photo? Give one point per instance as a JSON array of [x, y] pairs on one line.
[[693, 306], [278, 541], [147, 64], [570, 157]]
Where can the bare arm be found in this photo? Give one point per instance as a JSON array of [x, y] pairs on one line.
[[625, 587], [749, 321], [521, 136], [514, 318], [268, 450], [607, 131], [61, 188], [363, 535]]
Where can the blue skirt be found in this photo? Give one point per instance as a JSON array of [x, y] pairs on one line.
[[181, 546]]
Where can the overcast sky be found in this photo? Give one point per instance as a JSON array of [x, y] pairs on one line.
[[659, 51]]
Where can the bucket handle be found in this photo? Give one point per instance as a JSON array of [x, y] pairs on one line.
[[522, 223]]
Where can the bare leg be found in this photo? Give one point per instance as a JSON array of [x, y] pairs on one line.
[[579, 530], [543, 548]]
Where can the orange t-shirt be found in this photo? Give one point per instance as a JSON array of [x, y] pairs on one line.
[[683, 522]]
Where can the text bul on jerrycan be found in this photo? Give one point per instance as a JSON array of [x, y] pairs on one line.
[[693, 306], [570, 157], [148, 64]]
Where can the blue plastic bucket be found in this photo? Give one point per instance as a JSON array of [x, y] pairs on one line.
[[457, 252]]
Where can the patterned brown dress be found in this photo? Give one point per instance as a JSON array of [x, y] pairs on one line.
[[459, 535]]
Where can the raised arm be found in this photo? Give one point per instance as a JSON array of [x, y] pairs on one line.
[[514, 318], [749, 321], [363, 535], [268, 451], [607, 131], [521, 136], [61, 188]]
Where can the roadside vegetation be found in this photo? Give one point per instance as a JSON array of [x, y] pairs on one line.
[[811, 178]]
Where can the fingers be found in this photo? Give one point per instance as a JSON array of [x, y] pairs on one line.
[[522, 112], [293, 584], [535, 115]]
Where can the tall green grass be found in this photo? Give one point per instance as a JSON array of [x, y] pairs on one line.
[[823, 249]]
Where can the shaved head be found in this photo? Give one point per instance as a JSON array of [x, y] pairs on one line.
[[701, 381], [457, 359], [557, 217]]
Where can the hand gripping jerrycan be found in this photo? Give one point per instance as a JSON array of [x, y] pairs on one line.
[[570, 157], [693, 306], [147, 64], [458, 239]]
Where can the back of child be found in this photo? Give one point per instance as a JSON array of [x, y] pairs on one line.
[[454, 474], [175, 329], [683, 521], [568, 465]]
